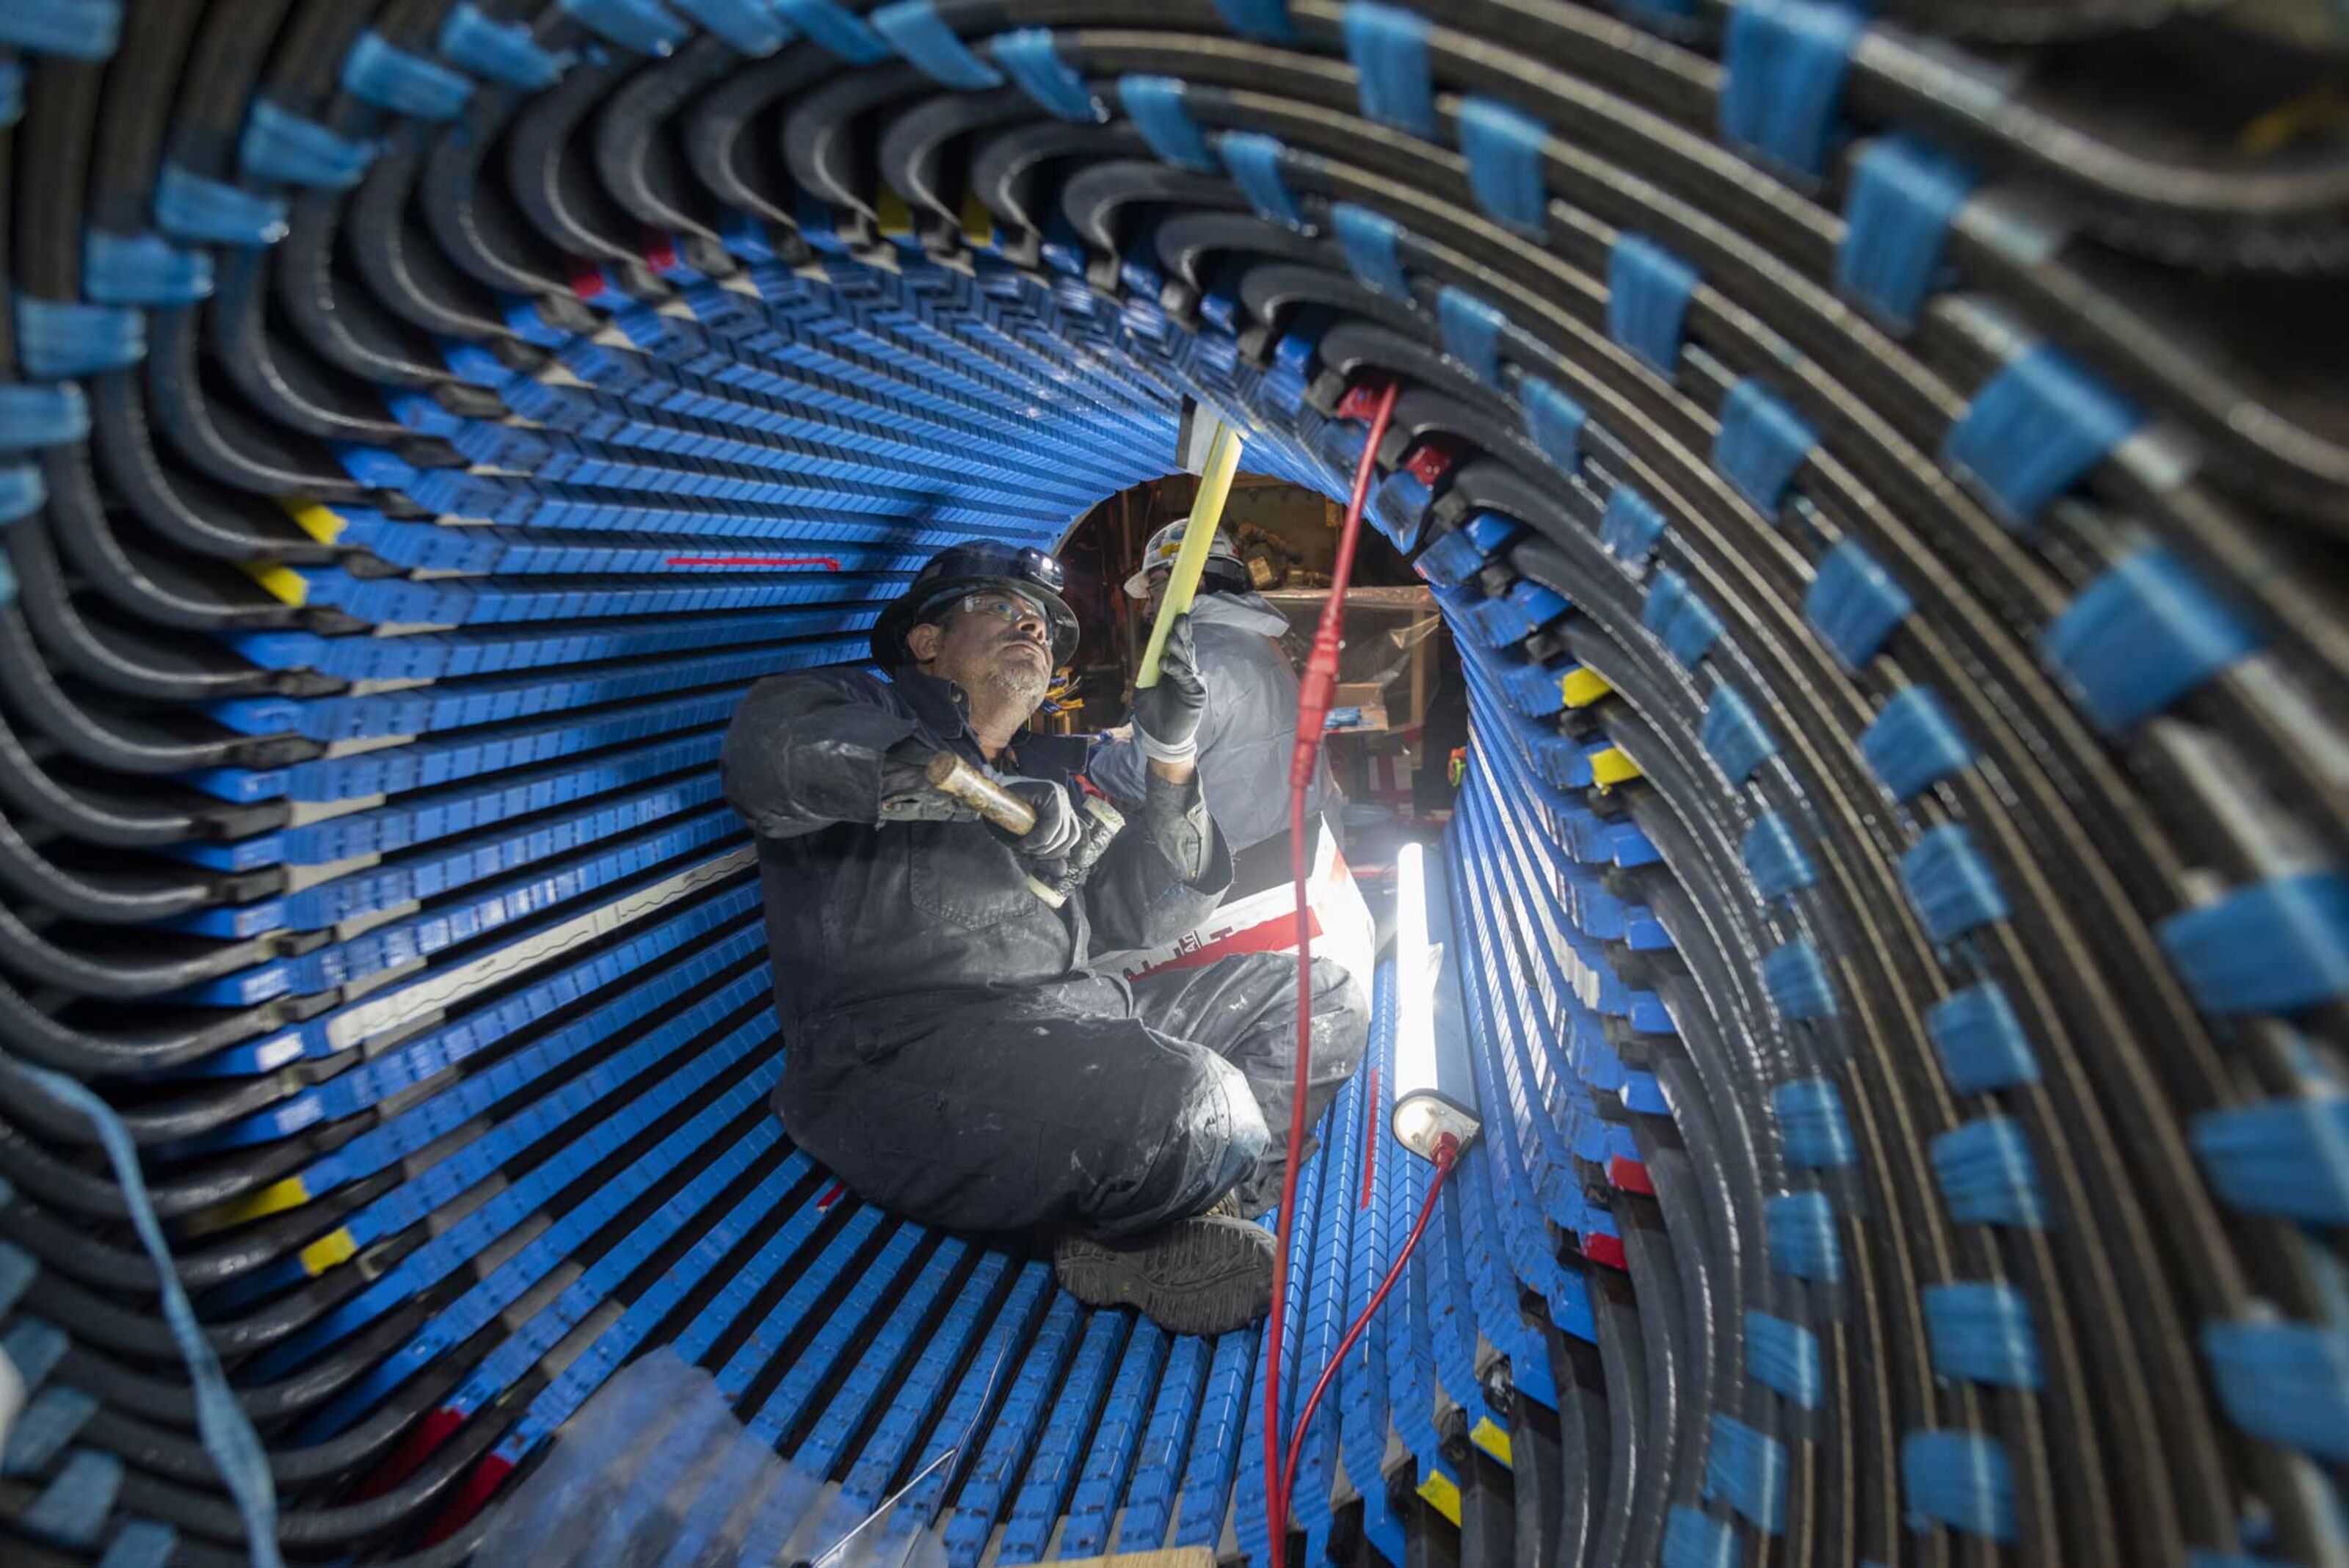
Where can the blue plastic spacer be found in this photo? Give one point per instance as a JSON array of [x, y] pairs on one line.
[[56, 338], [2287, 1383], [1783, 1357], [1553, 421], [1980, 1041], [284, 147], [2270, 947], [1693, 1539], [1254, 160], [36, 1347], [1801, 1229], [837, 28], [23, 491], [1986, 1175], [12, 90], [1472, 332], [1761, 444], [141, 1543], [1798, 982], [44, 1428], [2035, 429], [1630, 526], [644, 26], [1681, 619], [1733, 737], [77, 29], [1914, 744], [1370, 243], [388, 77], [502, 52], [1264, 19], [1504, 148], [1648, 290], [1951, 886], [1451, 559], [1905, 194], [1033, 61], [1981, 1331], [916, 31], [749, 27], [1396, 507], [2286, 1158], [1155, 106], [1783, 70], [1388, 48], [2140, 637], [1854, 603], [46, 414], [1773, 860], [1962, 1479], [1749, 1470], [191, 207], [73, 1509], [1811, 1125]]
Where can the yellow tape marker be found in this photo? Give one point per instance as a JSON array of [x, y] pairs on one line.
[[1444, 1492], [978, 222], [283, 582], [1580, 688], [318, 522], [274, 1199], [1198, 538], [1611, 767], [1493, 1438], [891, 215], [336, 1247]]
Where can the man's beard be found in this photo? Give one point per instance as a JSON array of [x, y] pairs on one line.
[[1022, 682]]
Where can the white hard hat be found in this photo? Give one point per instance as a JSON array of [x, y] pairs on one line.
[[1165, 544]]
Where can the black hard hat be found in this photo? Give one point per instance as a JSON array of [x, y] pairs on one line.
[[962, 570]]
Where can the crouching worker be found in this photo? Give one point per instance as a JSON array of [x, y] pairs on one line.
[[950, 1055]]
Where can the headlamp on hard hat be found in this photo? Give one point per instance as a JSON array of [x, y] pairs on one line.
[[962, 570]]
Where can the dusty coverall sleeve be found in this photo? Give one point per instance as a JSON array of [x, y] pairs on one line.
[[804, 752], [1138, 896], [1118, 767]]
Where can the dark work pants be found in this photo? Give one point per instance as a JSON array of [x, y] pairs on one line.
[[1013, 1113]]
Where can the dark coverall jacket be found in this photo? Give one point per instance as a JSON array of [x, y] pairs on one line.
[[949, 1055]]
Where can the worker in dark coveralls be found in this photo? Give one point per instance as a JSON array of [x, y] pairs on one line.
[[949, 1054]]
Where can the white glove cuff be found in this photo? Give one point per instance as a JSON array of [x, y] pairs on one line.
[[1157, 751]]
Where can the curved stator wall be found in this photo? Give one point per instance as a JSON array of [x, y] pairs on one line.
[[1889, 507]]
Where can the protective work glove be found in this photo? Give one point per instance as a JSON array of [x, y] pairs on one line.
[[906, 791], [1056, 829], [1166, 716]]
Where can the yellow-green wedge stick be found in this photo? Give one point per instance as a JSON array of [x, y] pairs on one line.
[[1198, 538]]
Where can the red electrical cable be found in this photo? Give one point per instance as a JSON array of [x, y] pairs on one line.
[[1313, 698], [1447, 1152]]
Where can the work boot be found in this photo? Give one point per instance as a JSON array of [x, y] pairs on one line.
[[1208, 1275]]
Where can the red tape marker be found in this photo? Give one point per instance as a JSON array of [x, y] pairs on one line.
[[1629, 1175], [479, 1488], [826, 562]]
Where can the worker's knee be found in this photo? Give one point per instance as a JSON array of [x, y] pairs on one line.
[[1220, 1124], [1212, 1135]]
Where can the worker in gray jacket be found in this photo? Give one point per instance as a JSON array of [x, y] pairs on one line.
[[1249, 730]]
